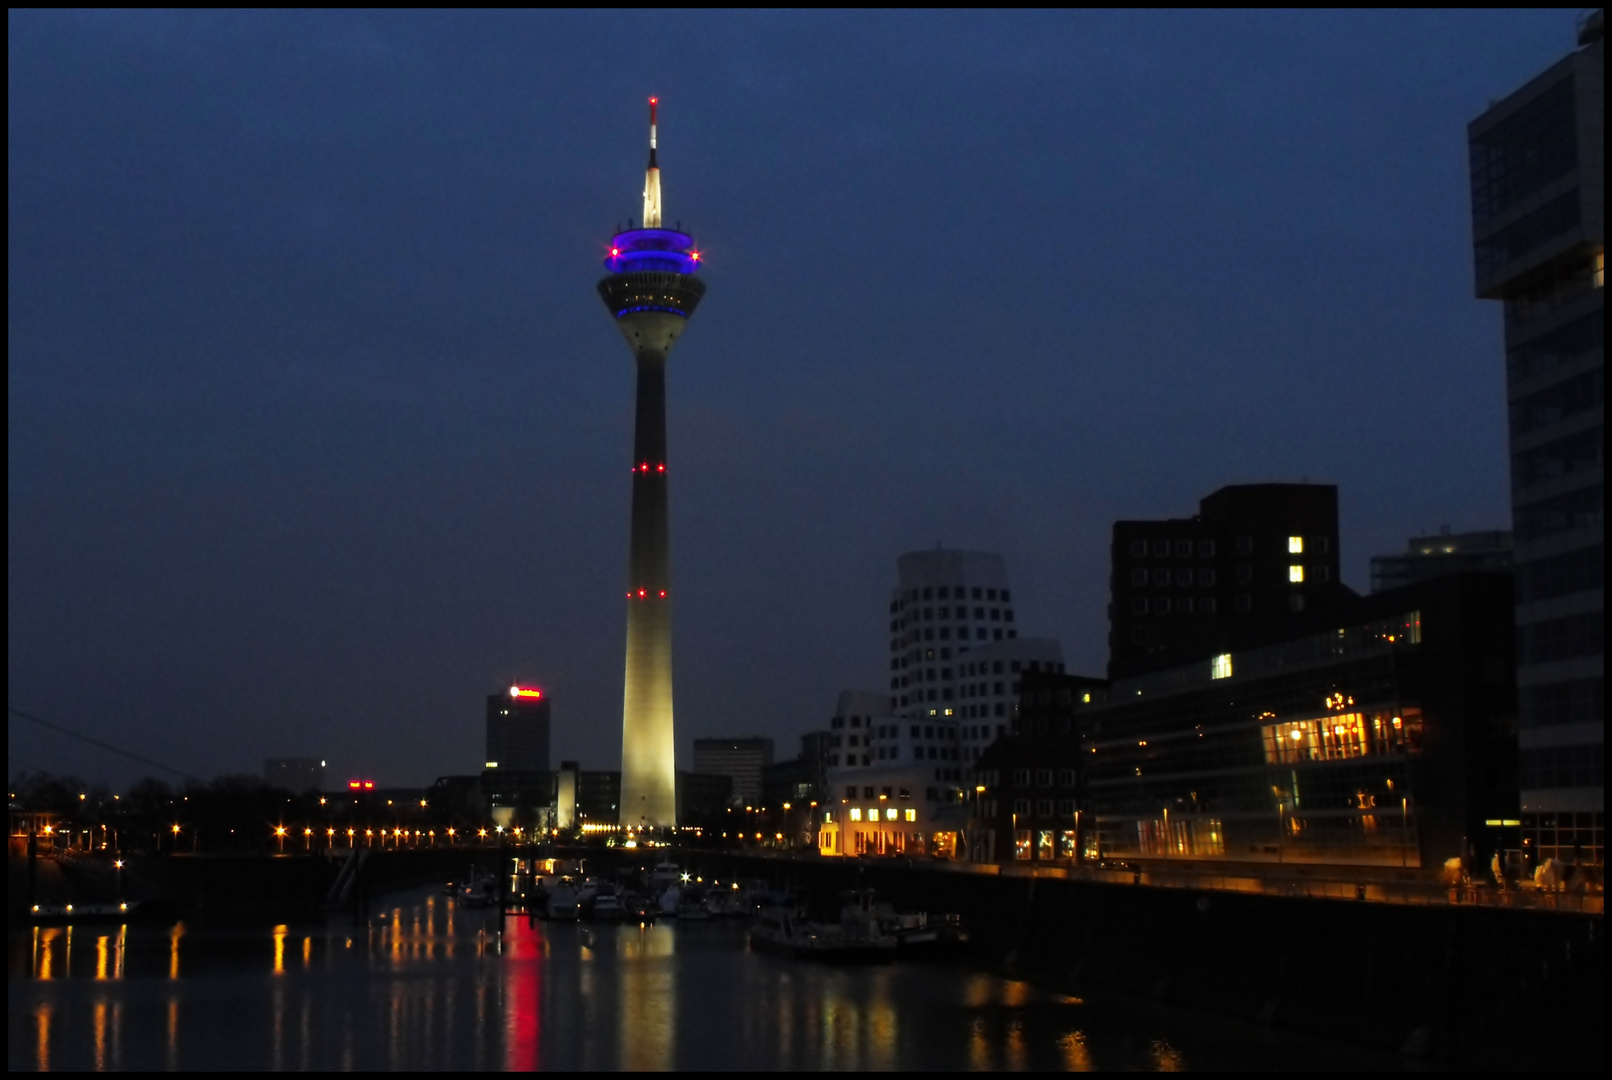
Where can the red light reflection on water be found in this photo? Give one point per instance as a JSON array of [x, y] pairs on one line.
[[523, 980]]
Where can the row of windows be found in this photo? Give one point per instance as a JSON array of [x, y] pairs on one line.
[[1182, 578], [1205, 549], [1043, 778], [1562, 457], [1557, 402], [1562, 767], [891, 813], [919, 753], [1182, 549], [1182, 605], [1570, 702], [1044, 808], [1577, 837], [929, 613], [1527, 233], [1561, 639], [1566, 284], [1527, 150], [854, 721], [944, 694], [980, 634], [956, 592], [1577, 509], [1558, 575], [1584, 336]]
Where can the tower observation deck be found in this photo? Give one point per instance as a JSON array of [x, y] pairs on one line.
[[651, 292]]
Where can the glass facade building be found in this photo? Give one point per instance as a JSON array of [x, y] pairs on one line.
[[1538, 214], [1388, 741]]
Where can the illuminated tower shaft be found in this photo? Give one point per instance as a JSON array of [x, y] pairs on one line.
[[651, 291]]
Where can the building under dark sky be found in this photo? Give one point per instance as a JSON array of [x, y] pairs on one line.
[[1539, 230], [1253, 555]]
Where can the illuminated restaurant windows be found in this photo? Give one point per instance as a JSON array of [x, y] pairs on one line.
[[1343, 735]]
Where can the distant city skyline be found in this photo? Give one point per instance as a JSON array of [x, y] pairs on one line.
[[315, 437]]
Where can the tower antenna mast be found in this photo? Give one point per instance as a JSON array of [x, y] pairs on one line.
[[652, 176]]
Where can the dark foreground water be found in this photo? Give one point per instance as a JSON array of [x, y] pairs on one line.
[[426, 985]]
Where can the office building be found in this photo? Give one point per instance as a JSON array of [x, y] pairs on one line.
[[1254, 553], [955, 649], [1447, 553], [651, 292], [1385, 738], [1538, 220], [894, 783], [740, 759], [518, 723]]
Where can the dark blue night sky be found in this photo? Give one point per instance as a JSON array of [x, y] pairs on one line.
[[318, 431]]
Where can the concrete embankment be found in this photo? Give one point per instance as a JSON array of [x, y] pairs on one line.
[[1482, 986]]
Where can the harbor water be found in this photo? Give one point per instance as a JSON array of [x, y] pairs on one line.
[[426, 984]]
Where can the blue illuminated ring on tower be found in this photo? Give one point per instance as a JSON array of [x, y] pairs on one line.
[[666, 250]]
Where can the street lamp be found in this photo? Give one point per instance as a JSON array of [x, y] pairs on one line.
[[279, 835]]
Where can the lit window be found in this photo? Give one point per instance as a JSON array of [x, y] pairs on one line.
[[856, 813], [1220, 667], [890, 813], [910, 814], [1295, 573], [1295, 545]]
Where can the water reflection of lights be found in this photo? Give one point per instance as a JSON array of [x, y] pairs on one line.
[[42, 1039], [173, 949], [172, 1046], [1076, 1056], [1166, 1058]]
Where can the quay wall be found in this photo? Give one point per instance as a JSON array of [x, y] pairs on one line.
[[1491, 987]]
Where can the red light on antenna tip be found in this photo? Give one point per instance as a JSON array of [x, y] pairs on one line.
[[640, 592], [614, 252], [653, 100], [663, 594]]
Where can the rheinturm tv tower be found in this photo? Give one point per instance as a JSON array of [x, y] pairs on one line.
[[651, 292]]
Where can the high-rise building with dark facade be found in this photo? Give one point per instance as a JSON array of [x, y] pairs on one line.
[[741, 759], [1427, 557], [1254, 553], [518, 731], [1538, 224]]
